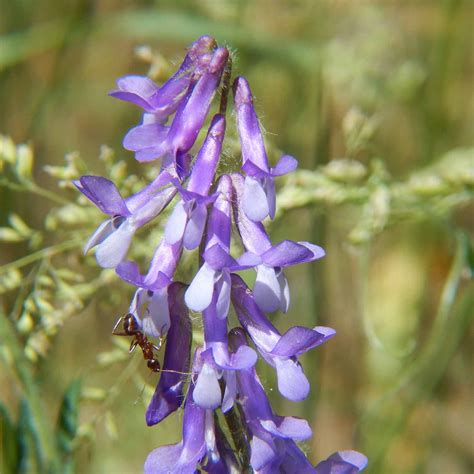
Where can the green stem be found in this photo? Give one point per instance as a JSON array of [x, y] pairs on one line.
[[44, 436], [42, 253], [35, 189]]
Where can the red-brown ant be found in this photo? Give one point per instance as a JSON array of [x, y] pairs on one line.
[[131, 328]]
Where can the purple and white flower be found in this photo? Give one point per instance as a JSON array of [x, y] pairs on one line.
[[113, 236], [189, 216], [163, 101], [258, 199], [152, 139], [214, 274], [271, 289], [280, 351]]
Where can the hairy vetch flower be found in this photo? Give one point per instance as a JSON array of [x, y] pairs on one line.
[[222, 385]]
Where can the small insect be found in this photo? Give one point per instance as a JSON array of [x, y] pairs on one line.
[[130, 328]]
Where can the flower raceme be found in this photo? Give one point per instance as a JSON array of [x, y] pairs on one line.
[[222, 377]]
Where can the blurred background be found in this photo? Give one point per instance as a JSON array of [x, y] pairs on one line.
[[375, 100]]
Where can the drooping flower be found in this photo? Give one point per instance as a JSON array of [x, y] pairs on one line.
[[271, 287], [269, 431], [163, 101], [113, 236], [199, 440], [258, 200], [218, 362], [189, 216], [150, 303], [214, 274], [279, 351], [152, 139]]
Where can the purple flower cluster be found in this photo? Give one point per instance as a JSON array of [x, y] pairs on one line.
[[223, 375]]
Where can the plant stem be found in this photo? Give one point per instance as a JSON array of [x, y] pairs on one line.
[[42, 253], [46, 449], [239, 434]]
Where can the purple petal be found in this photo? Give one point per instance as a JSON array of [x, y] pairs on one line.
[[153, 207], [199, 294], [204, 169], [254, 201], [136, 89], [190, 118], [288, 427], [164, 262], [317, 251], [286, 164], [342, 462], [244, 358], [249, 260], [260, 329], [217, 257], [262, 453], [151, 154], [164, 460], [299, 339], [219, 223], [137, 200], [292, 382], [104, 194], [147, 136], [295, 461], [287, 253], [251, 140], [168, 395]]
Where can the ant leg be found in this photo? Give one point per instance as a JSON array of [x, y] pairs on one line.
[[114, 330], [133, 345]]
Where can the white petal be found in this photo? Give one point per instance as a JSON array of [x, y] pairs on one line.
[[114, 248], [284, 292], [176, 224], [199, 294], [195, 228], [254, 201], [267, 291], [156, 319], [207, 392], [223, 299], [100, 234]]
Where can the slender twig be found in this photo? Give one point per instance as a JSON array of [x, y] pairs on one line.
[[238, 432], [30, 187], [47, 450], [42, 253]]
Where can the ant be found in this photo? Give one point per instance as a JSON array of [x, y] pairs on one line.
[[130, 328]]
